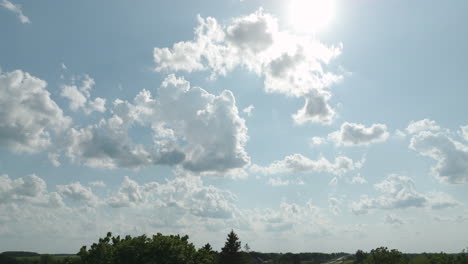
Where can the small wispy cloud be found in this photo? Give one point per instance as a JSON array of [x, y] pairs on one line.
[[17, 10]]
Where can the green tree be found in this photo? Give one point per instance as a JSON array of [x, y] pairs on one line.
[[230, 253], [205, 255], [360, 256], [158, 249], [46, 259], [382, 255], [4, 259]]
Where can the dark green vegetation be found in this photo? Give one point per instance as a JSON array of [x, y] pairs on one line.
[[382, 255], [175, 249]]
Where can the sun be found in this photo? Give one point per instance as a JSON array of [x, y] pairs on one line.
[[311, 16]]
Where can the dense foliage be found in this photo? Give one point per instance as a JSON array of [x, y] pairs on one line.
[[158, 249], [175, 249], [230, 253], [382, 255]]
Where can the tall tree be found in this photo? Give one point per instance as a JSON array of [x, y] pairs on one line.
[[230, 253]]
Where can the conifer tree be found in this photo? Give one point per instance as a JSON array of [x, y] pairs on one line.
[[230, 253]]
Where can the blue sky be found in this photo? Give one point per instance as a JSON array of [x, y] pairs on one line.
[[201, 117]]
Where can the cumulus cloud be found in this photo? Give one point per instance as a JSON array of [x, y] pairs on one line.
[[291, 217], [27, 113], [129, 193], [393, 219], [440, 200], [278, 182], [248, 110], [210, 125], [318, 141], [316, 109], [334, 205], [451, 156], [291, 65], [398, 192], [297, 163], [358, 179], [78, 192], [31, 188], [108, 145], [16, 9], [464, 132], [97, 184], [352, 134], [79, 96], [200, 131], [186, 193], [422, 125]]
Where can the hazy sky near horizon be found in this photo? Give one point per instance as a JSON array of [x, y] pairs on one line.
[[303, 125]]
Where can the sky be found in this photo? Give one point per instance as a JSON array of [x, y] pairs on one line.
[[304, 126]]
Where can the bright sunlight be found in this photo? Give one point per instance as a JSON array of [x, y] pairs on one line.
[[311, 16]]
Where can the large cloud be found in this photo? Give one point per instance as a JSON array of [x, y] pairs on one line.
[[464, 132], [352, 134], [398, 192], [186, 193], [79, 96], [201, 131], [16, 9], [108, 145], [30, 189], [78, 192], [451, 156], [422, 125], [27, 113], [291, 65], [316, 108], [297, 163]]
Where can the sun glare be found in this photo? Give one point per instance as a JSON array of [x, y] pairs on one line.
[[311, 16]]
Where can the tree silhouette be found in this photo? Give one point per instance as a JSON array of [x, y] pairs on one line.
[[360, 256], [230, 253]]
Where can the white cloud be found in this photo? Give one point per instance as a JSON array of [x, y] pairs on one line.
[[78, 192], [334, 205], [440, 200], [129, 193], [464, 132], [291, 65], [398, 192], [292, 218], [53, 158], [278, 182], [352, 134], [316, 109], [16, 9], [248, 110], [187, 193], [451, 156], [29, 189], [318, 141], [297, 163], [79, 96], [422, 125], [97, 184], [200, 131], [400, 134], [210, 125], [27, 113], [108, 145], [393, 219], [358, 180]]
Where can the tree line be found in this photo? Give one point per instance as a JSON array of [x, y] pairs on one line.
[[176, 249], [383, 255]]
